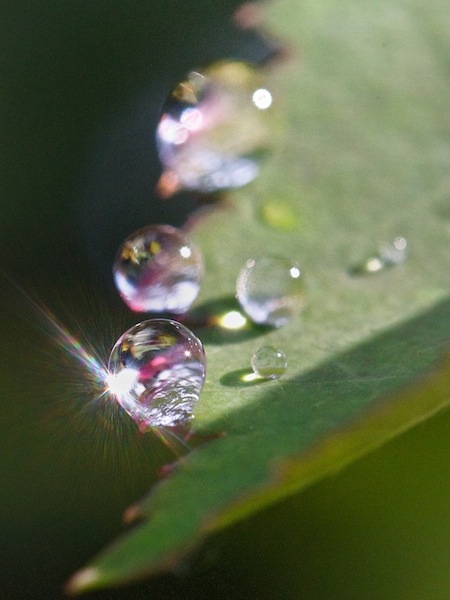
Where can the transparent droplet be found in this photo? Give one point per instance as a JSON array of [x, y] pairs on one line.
[[271, 290], [212, 131], [388, 255], [156, 372], [394, 253], [269, 362], [158, 269]]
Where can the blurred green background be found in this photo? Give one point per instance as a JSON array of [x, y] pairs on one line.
[[81, 87]]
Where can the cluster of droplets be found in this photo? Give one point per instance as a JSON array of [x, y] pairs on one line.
[[210, 137], [157, 368]]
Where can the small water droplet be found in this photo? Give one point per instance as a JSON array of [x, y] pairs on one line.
[[211, 133], [156, 372], [269, 362], [158, 269], [394, 253], [388, 255], [271, 290]]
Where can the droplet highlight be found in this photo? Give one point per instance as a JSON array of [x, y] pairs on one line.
[[212, 131], [269, 362], [271, 290], [158, 269], [156, 373]]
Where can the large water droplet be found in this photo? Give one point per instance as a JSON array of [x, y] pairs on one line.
[[212, 133], [158, 269], [156, 372], [269, 362], [271, 290]]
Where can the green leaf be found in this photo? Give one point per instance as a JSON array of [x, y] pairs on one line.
[[360, 155]]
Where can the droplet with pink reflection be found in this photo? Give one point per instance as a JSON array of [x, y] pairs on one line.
[[156, 372], [213, 129], [158, 269]]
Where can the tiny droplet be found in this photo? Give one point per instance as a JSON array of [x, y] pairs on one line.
[[269, 362]]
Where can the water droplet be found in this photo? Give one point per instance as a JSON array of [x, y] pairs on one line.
[[212, 133], [158, 269], [395, 252], [271, 290], [269, 362], [156, 372], [388, 255]]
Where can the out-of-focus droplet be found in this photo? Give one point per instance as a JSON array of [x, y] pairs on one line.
[[269, 362], [158, 269], [156, 372], [394, 253], [388, 255], [271, 290], [212, 131]]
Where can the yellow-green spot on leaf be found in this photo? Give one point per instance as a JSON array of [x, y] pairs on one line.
[[280, 215]]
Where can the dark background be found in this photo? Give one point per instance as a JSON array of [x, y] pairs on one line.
[[81, 87], [81, 90]]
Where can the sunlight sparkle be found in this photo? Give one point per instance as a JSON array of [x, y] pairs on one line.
[[121, 383]]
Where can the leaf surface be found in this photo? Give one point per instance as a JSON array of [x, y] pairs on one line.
[[360, 155]]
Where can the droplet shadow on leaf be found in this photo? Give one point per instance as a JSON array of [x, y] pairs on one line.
[[313, 424], [222, 321], [242, 378], [344, 386]]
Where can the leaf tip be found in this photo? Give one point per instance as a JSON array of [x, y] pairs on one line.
[[82, 581]]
